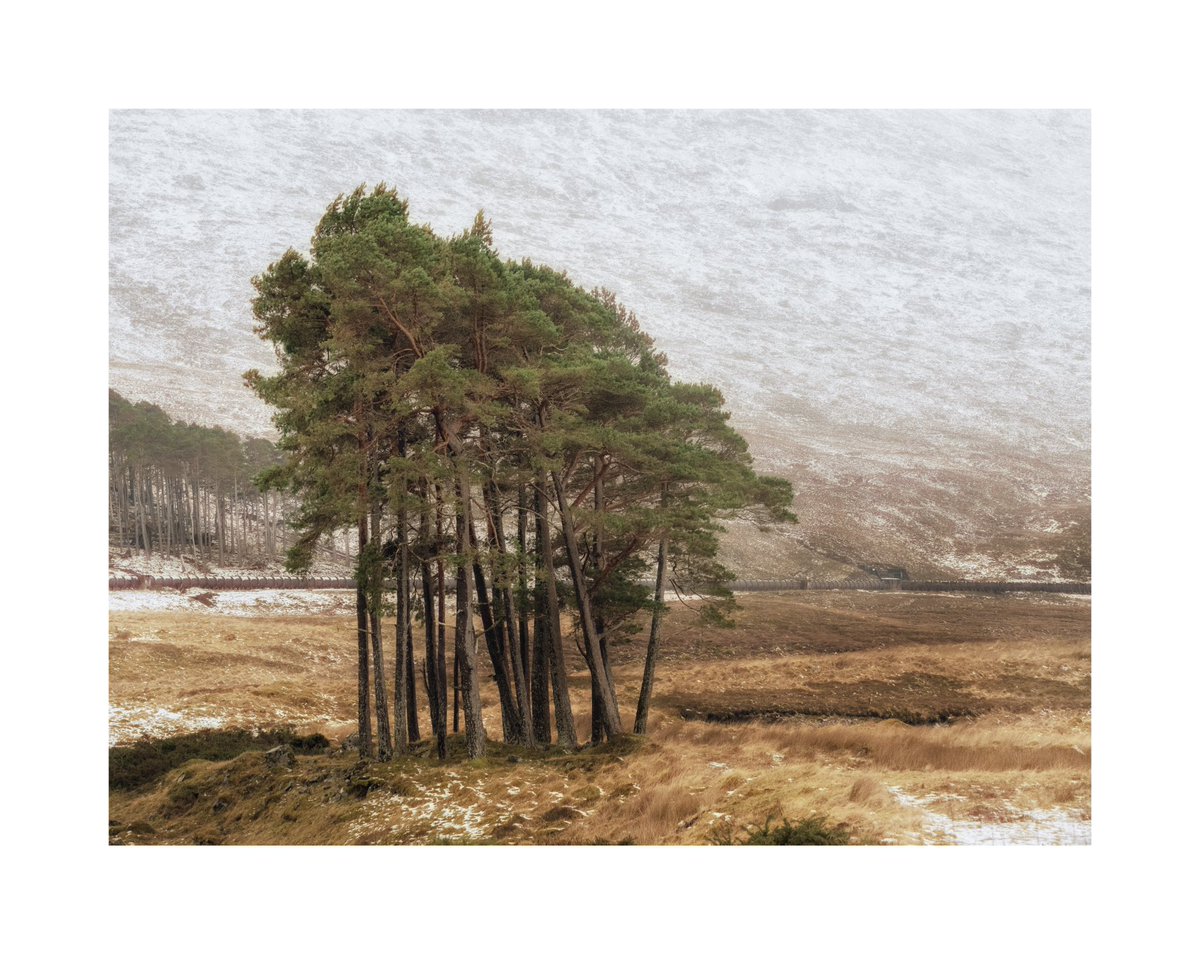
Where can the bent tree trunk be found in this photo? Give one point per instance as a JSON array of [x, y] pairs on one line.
[[608, 700]]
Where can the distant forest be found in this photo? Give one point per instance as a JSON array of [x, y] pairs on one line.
[[187, 490]]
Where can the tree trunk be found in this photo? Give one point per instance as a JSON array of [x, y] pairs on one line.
[[608, 701], [364, 663], [564, 720], [443, 685], [431, 681], [540, 671], [381, 700], [598, 611], [523, 586], [494, 641], [493, 631], [400, 686], [221, 527], [492, 499], [643, 707], [414, 725], [465, 649], [400, 689], [139, 503], [437, 711], [196, 527]]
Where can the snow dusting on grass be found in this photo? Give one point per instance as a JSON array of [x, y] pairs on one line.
[[126, 724], [431, 809], [1030, 827], [233, 603]]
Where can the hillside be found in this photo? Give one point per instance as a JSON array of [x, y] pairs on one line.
[[896, 305]]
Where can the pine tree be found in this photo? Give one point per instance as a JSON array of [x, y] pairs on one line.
[[420, 375]]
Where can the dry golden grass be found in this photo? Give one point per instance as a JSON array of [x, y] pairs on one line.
[[1020, 666]]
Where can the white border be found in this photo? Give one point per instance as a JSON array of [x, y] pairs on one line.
[[71, 66]]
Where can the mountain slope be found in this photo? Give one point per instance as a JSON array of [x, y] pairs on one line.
[[896, 304]]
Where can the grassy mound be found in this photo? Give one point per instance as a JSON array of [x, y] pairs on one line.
[[145, 762]]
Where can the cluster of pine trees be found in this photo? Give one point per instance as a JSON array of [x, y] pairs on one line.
[[498, 436], [177, 488]]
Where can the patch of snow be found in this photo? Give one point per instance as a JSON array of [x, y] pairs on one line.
[[127, 724], [234, 603], [433, 807], [1031, 827]]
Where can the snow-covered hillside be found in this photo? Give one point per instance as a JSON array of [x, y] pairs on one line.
[[896, 304]]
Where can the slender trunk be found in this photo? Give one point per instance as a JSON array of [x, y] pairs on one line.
[[166, 498], [598, 609], [437, 727], [523, 586], [139, 502], [540, 670], [563, 718], [464, 626], [441, 654], [465, 641], [457, 675], [608, 701], [400, 687], [221, 527], [364, 663], [233, 507], [643, 707], [414, 725], [120, 490], [524, 705], [494, 641], [376, 600], [148, 492], [195, 509]]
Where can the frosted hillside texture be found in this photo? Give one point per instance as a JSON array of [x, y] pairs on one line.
[[896, 304]]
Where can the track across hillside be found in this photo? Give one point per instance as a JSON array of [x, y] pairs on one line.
[[147, 582]]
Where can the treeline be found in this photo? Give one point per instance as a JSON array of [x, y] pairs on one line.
[[185, 489], [500, 438]]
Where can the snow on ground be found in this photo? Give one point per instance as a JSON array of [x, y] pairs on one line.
[[431, 806], [124, 563], [233, 603], [1030, 827], [127, 724]]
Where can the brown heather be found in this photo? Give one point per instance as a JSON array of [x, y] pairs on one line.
[[815, 705]]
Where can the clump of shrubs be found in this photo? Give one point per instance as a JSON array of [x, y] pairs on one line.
[[814, 831], [146, 761]]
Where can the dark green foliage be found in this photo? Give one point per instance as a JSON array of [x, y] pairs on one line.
[[419, 374], [815, 831], [144, 762]]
